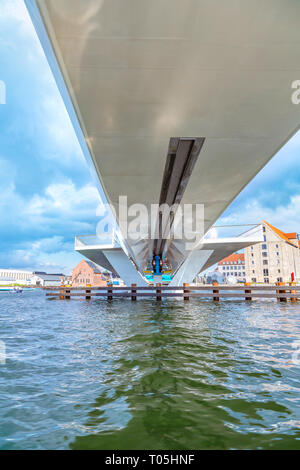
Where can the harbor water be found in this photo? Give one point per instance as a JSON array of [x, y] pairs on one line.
[[148, 375]]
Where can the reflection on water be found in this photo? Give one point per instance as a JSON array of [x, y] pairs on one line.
[[148, 375]]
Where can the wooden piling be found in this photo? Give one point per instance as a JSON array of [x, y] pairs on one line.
[[248, 291], [109, 292], [88, 291], [62, 292], [158, 291], [186, 291], [215, 291], [292, 291], [133, 291], [281, 299]]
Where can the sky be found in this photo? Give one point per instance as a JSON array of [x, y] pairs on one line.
[[47, 194]]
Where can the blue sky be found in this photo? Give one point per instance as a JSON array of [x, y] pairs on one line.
[[47, 192]]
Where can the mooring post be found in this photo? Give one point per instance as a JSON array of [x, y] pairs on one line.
[[62, 292], [281, 299], [68, 294], [133, 291], [88, 291], [109, 291], [292, 291], [158, 291], [186, 291], [215, 291], [248, 291]]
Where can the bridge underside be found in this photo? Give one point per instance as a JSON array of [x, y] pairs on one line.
[[136, 73]]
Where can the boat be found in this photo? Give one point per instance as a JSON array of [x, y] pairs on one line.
[[16, 290]]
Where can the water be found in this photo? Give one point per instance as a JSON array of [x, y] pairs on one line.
[[148, 375]]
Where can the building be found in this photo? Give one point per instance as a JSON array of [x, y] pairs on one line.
[[32, 278], [15, 276], [87, 272], [43, 279], [233, 267], [275, 259]]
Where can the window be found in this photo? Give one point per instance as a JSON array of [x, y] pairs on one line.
[[279, 279], [265, 261], [254, 279], [278, 261], [265, 238], [252, 262], [264, 253], [266, 272], [264, 247], [279, 271], [277, 253], [266, 280], [252, 255], [264, 228], [253, 272], [277, 246], [251, 247]]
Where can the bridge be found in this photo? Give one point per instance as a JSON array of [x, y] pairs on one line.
[[173, 102]]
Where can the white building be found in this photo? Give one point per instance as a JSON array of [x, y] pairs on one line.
[[33, 278], [16, 276], [233, 267], [44, 279]]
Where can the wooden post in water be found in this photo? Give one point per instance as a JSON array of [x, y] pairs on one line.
[[281, 299], [133, 291], [109, 291], [248, 291], [88, 291], [68, 294], [292, 291], [186, 291], [62, 292], [215, 291], [158, 291]]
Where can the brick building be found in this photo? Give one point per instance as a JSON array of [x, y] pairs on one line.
[[233, 267], [275, 259], [87, 272]]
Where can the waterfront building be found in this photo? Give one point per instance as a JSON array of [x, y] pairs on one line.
[[87, 272], [43, 279], [36, 278], [15, 276], [233, 266], [275, 259]]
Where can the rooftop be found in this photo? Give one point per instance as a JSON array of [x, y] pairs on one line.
[[287, 237], [235, 258]]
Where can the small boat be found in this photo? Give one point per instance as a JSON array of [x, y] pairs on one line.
[[16, 290]]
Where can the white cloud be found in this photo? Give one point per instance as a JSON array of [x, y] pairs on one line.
[[285, 217], [66, 200], [16, 11]]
